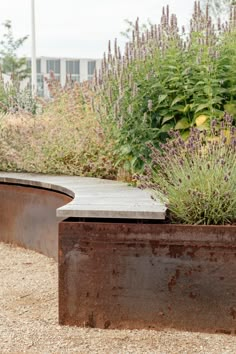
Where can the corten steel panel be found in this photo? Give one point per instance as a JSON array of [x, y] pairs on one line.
[[28, 217], [147, 276]]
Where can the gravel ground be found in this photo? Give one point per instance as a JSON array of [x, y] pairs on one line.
[[28, 318]]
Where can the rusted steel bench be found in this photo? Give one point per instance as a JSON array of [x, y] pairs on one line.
[[120, 265]]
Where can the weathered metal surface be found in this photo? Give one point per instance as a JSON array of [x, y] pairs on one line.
[[147, 276], [28, 217]]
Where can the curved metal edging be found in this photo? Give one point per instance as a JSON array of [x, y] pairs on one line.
[[37, 184], [28, 214]]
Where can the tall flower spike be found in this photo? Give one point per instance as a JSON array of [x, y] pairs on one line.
[[115, 48], [109, 47], [195, 10], [167, 14], [119, 53], [198, 9], [133, 36], [137, 25], [96, 76], [104, 60]]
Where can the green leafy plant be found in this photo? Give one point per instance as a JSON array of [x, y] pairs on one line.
[[196, 178], [167, 79]]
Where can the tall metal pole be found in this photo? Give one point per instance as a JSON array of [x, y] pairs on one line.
[[33, 52]]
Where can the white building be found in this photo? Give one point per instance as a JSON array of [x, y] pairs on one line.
[[78, 69]]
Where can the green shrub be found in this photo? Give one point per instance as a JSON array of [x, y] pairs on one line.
[[197, 178], [167, 79]]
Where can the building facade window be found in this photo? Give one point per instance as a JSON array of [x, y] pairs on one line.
[[38, 65], [40, 77], [73, 69], [55, 66], [40, 85], [91, 69]]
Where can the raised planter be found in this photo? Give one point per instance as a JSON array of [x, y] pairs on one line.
[[122, 273], [129, 275]]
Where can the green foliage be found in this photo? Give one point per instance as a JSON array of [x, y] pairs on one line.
[[166, 80], [196, 178], [10, 63]]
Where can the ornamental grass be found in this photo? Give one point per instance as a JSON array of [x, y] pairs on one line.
[[65, 139]]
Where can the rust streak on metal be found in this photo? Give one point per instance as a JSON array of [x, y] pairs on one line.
[[147, 276]]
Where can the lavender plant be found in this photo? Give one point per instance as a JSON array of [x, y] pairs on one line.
[[196, 178], [167, 79]]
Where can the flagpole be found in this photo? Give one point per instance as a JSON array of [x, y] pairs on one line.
[[33, 52]]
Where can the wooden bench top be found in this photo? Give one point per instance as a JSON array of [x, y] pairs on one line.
[[93, 197]]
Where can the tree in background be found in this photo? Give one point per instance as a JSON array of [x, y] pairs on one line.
[[10, 63], [12, 97], [219, 8]]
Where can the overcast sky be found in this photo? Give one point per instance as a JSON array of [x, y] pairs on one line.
[[82, 28]]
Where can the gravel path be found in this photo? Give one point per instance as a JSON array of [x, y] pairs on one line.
[[28, 318]]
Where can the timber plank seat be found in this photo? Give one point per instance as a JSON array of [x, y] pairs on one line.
[[33, 205], [92, 197]]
